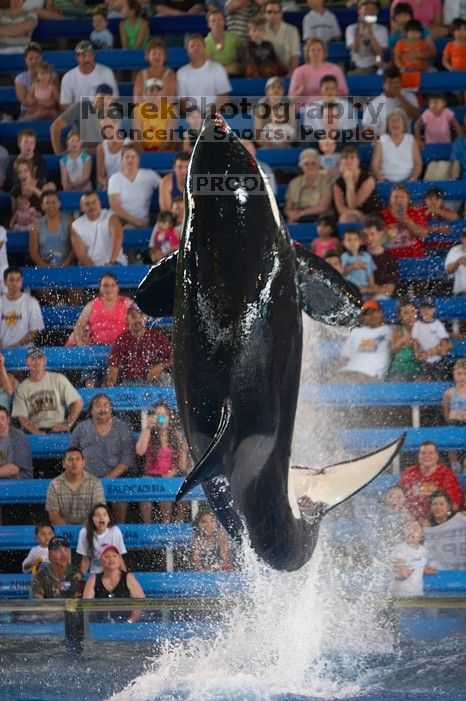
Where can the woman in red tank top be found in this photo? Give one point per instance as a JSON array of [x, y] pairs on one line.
[[162, 445]]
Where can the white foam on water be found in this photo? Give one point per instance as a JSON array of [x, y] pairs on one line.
[[305, 633]]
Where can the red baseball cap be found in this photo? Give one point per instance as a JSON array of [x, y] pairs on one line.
[[106, 548]]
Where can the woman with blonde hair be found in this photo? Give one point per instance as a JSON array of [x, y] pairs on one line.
[[156, 55], [305, 80]]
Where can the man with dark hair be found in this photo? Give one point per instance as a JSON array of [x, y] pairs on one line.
[[20, 314], [57, 578], [71, 495], [282, 35], [391, 98], [427, 476], [15, 453], [386, 272], [172, 184]]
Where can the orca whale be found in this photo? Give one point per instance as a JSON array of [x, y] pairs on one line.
[[238, 285]]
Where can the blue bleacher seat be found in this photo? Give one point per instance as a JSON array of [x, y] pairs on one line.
[[81, 276]]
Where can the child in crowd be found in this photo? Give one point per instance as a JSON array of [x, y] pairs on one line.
[[134, 28], [394, 515], [211, 549], [43, 96], [98, 532], [163, 239], [76, 166], [410, 562], [25, 215], [194, 124], [178, 214], [327, 236], [400, 16], [330, 158], [44, 533], [333, 259], [454, 407], [101, 37], [454, 53], [431, 342], [434, 210], [358, 266], [438, 121], [258, 57], [320, 23], [411, 55]]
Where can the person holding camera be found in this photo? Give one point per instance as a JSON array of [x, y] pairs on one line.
[[366, 39]]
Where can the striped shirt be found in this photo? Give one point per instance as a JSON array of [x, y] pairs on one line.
[[74, 505]]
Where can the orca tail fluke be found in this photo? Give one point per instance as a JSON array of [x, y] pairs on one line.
[[212, 462], [318, 491]]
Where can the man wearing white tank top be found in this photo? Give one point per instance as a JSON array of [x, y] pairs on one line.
[[97, 235]]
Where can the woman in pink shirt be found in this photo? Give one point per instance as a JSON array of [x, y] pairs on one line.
[[305, 80], [162, 445]]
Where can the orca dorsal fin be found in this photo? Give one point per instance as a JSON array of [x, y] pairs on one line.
[[212, 462], [156, 293]]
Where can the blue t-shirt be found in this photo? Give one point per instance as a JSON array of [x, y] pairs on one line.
[[358, 277]]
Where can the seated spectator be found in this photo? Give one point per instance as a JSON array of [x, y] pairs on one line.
[[395, 514], [257, 56], [365, 356], [163, 447], [320, 23], [404, 366], [310, 194], [101, 37], [427, 476], [401, 14], [42, 398], [222, 46], [333, 259], [440, 509], [406, 225], [327, 236], [274, 117], [134, 27], [428, 14], [237, 14], [71, 495], [88, 75], [386, 272], [85, 116], [49, 238], [454, 53], [431, 342], [454, 406], [57, 578], [330, 158], [75, 166], [108, 153], [42, 96], [20, 314], [201, 79], [156, 56], [38, 554], [354, 192], [16, 27], [434, 210], [358, 265], [393, 97], [26, 184], [328, 112], [104, 318], [438, 121], [410, 562], [266, 169], [15, 453], [23, 81], [99, 532], [396, 154], [211, 549], [411, 55], [172, 185], [130, 191], [8, 384], [455, 265], [140, 354], [164, 238], [451, 10], [152, 121], [366, 39], [97, 236], [25, 214], [113, 582], [305, 80], [27, 143], [283, 36]]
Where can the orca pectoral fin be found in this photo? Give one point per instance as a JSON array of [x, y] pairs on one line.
[[156, 293], [317, 492], [324, 294], [212, 462]]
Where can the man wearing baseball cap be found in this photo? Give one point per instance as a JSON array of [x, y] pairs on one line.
[[82, 81], [57, 578]]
